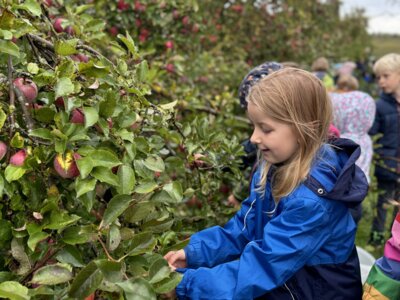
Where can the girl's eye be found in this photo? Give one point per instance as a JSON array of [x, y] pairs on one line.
[[266, 130]]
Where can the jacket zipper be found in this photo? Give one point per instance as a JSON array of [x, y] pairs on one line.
[[293, 298]]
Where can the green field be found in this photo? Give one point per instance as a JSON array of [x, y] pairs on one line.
[[383, 44]]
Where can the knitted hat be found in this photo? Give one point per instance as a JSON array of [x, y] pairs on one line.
[[254, 76]]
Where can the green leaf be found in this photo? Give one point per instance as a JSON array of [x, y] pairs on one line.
[[129, 43], [33, 68], [13, 290], [17, 141], [141, 243], [127, 179], [159, 270], [32, 6], [154, 163], [115, 208], [113, 238], [83, 186], [42, 133], [86, 282], [44, 114], [3, 118], [174, 190], [9, 47], [91, 116], [139, 211], [5, 231], [169, 106], [64, 87], [35, 238], [66, 47], [1, 186], [126, 119], [13, 173], [85, 166], [168, 284], [19, 254], [79, 235], [143, 70], [104, 158], [107, 107], [53, 274], [158, 226], [138, 289], [104, 174], [112, 270], [70, 255], [60, 220], [146, 187]]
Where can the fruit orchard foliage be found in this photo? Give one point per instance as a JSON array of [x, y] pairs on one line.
[[106, 110], [96, 160]]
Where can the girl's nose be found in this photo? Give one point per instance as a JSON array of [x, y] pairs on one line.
[[254, 139]]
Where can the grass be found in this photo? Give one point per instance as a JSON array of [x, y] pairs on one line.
[[384, 44], [364, 226]]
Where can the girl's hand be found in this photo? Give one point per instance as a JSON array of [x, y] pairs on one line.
[[176, 259]]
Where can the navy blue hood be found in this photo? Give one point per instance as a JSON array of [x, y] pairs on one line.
[[388, 97], [335, 175]]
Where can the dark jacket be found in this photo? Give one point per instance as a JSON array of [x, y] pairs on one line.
[[387, 123], [302, 248]]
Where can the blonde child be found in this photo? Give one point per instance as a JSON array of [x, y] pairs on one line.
[[320, 68], [294, 235], [387, 125]]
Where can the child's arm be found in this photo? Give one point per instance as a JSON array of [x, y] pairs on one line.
[[289, 241], [216, 245]]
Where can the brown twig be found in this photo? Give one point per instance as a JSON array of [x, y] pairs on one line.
[[105, 249], [36, 53], [27, 116], [12, 94]]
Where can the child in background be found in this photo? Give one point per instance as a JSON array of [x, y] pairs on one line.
[[294, 236], [320, 69], [383, 282], [387, 124], [353, 115]]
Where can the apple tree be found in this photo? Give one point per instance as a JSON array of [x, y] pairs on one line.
[[98, 162]]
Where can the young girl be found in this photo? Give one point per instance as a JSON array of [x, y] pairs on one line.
[[294, 236]]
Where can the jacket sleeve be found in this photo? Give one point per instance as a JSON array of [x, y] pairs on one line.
[[376, 126], [217, 244], [289, 241]]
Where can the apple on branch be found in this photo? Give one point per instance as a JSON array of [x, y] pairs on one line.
[[18, 158], [27, 87], [65, 165]]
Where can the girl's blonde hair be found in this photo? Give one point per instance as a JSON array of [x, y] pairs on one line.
[[389, 62], [347, 83], [299, 99], [320, 64]]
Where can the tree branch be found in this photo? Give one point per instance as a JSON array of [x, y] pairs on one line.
[[12, 95], [27, 116]]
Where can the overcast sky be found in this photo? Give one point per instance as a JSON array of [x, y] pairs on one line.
[[384, 15]]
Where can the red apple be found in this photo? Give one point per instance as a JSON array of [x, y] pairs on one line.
[[195, 28], [197, 159], [138, 23], [65, 166], [157, 174], [27, 87], [48, 2], [59, 102], [122, 5], [3, 150], [18, 158], [113, 31], [80, 57], [139, 6], [169, 44], [185, 20], [57, 25], [170, 68], [77, 116]]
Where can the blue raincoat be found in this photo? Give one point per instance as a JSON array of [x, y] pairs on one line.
[[302, 248]]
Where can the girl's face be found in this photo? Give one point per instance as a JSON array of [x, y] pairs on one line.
[[276, 141], [389, 82]]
